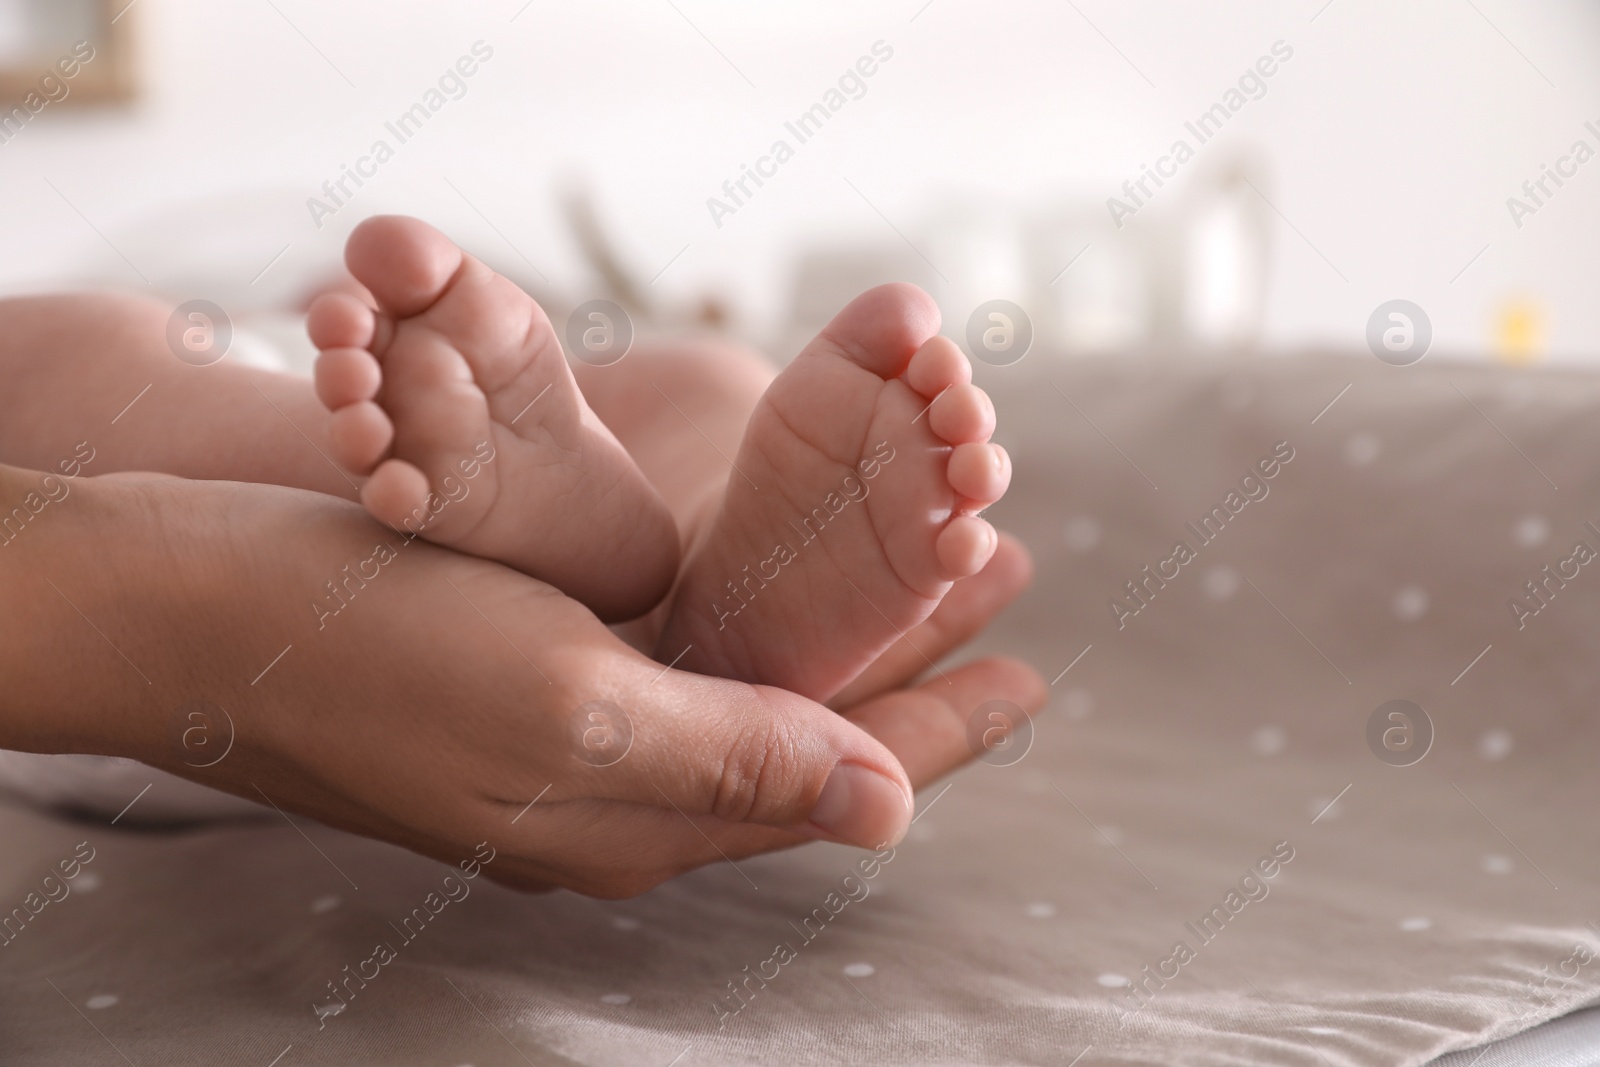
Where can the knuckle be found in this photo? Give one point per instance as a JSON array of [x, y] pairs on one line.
[[754, 773]]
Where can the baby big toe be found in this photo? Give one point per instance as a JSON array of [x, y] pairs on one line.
[[403, 262]]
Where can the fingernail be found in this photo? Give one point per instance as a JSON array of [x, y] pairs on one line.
[[861, 807]]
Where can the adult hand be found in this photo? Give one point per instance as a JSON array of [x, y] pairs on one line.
[[409, 693]]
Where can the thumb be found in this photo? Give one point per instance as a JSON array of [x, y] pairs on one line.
[[737, 753]]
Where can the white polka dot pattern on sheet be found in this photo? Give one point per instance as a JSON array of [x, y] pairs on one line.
[[1077, 703], [1495, 863], [1081, 533], [1361, 449], [1269, 740], [1410, 603], [1220, 582], [1036, 783], [1323, 808], [1495, 745], [1531, 531]]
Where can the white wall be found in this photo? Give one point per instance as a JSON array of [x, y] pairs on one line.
[[1393, 138]]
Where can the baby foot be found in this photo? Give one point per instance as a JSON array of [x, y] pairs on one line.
[[456, 401], [851, 507]]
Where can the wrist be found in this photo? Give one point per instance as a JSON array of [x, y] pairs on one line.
[[79, 590]]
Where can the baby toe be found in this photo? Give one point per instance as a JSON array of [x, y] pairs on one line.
[[339, 320], [962, 413], [359, 435], [965, 546], [981, 472], [882, 328], [403, 262], [937, 366], [346, 376]]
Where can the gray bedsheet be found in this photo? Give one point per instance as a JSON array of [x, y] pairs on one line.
[[1035, 914]]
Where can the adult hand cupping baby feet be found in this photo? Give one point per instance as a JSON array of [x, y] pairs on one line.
[[450, 700], [855, 490]]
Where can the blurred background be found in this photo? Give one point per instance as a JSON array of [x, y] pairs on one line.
[[587, 156]]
